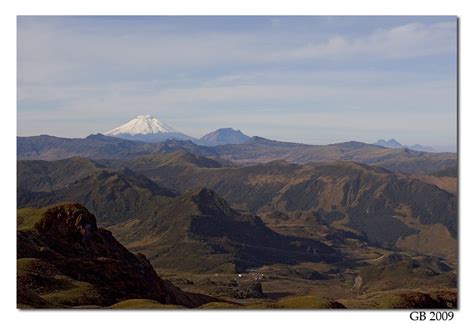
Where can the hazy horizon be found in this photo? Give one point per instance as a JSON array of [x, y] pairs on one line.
[[314, 80], [437, 148]]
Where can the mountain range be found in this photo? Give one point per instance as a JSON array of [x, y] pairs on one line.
[[255, 150], [137, 189], [150, 129], [232, 221], [262, 216]]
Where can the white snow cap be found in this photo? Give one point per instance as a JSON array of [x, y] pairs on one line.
[[143, 124]]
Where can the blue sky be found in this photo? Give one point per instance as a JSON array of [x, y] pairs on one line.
[[313, 79]]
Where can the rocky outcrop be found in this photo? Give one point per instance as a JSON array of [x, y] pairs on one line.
[[66, 260], [247, 289]]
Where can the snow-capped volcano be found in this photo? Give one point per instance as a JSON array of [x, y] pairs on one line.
[[143, 124], [148, 129]]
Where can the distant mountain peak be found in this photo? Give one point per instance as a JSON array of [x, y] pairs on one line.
[[224, 136], [147, 128], [394, 142], [142, 125], [205, 197], [391, 143]]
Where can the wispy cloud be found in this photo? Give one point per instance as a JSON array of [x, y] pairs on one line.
[[93, 73], [60, 50], [405, 41]]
